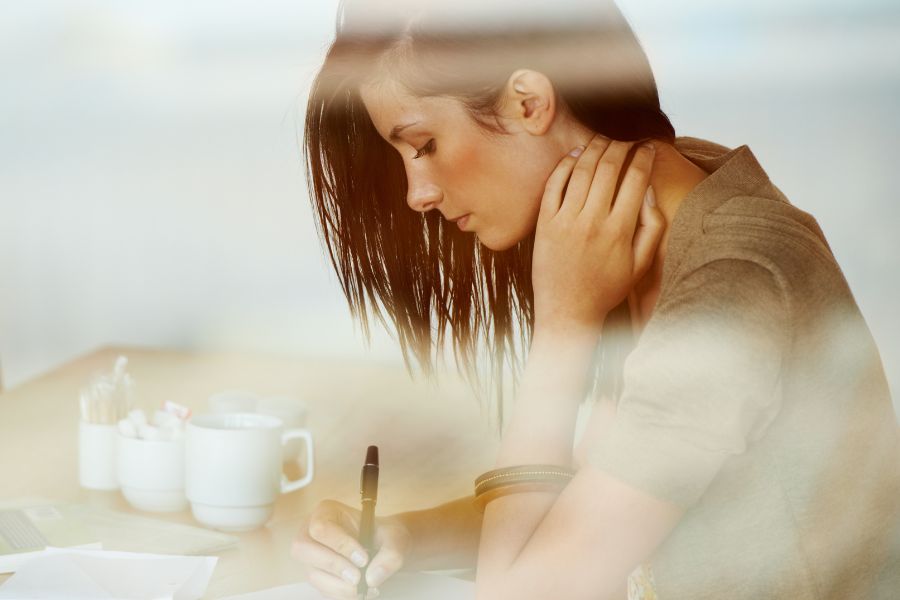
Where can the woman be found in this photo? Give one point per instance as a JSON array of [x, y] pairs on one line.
[[748, 445]]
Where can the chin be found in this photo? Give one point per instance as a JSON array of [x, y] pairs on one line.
[[495, 247], [516, 227], [500, 242]]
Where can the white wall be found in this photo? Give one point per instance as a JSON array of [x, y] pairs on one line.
[[151, 190]]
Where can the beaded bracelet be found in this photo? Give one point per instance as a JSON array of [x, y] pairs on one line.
[[521, 478]]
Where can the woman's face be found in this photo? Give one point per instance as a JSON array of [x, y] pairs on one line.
[[495, 180]]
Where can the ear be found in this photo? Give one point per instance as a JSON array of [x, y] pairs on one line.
[[531, 100]]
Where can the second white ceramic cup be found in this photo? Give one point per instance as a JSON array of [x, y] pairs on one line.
[[151, 473], [292, 411], [234, 468]]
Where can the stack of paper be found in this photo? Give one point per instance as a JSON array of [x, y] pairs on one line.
[[132, 533], [26, 531], [64, 573], [27, 527]]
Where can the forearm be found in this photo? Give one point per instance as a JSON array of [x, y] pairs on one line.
[[443, 537], [555, 381], [448, 536], [542, 430]]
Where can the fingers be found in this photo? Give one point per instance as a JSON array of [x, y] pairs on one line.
[[556, 186], [386, 562], [569, 182], [583, 173], [605, 179], [334, 587], [648, 235], [328, 544], [329, 533], [325, 543], [630, 197], [327, 560]]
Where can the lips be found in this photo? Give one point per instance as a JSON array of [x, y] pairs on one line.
[[461, 221]]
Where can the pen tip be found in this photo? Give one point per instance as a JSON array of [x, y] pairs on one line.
[[372, 455]]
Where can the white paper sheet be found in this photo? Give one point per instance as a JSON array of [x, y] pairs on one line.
[[125, 532], [69, 574], [134, 533], [402, 586]]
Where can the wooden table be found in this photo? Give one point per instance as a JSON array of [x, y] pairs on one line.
[[433, 440]]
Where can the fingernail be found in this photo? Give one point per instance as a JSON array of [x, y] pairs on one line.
[[375, 576], [577, 151], [650, 197], [650, 147], [358, 558], [350, 576]]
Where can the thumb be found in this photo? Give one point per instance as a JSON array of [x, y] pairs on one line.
[[386, 562], [389, 558], [650, 229]]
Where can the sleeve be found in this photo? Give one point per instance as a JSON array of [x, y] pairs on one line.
[[702, 382]]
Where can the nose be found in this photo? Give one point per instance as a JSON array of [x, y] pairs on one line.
[[423, 195]]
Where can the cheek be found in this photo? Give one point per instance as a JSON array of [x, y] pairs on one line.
[[503, 184], [468, 164], [493, 176], [522, 180]]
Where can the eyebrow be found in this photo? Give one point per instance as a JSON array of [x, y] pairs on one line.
[[395, 132]]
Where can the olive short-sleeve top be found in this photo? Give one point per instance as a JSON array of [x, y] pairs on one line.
[[755, 399]]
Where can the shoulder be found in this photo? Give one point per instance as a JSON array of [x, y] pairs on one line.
[[738, 213], [764, 228], [755, 241]]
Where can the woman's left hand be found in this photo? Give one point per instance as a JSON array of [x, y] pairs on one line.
[[590, 250]]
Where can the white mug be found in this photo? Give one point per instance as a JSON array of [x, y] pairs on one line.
[[234, 469], [151, 473], [292, 411]]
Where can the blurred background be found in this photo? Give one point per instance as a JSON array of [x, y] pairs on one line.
[[152, 191]]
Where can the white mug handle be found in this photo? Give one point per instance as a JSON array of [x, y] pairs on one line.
[[288, 485]]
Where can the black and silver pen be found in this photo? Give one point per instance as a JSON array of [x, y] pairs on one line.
[[368, 490]]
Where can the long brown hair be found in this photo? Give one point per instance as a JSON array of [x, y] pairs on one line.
[[424, 276]]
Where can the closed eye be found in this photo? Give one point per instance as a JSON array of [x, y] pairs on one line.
[[426, 149]]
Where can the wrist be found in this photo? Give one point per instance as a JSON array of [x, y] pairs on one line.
[[405, 522], [441, 537], [559, 367], [563, 336]]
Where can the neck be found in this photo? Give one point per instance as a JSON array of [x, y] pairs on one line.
[[672, 178]]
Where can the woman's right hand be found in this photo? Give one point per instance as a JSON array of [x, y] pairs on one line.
[[327, 543], [595, 239]]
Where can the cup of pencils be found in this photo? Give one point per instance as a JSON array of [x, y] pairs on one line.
[[103, 402]]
